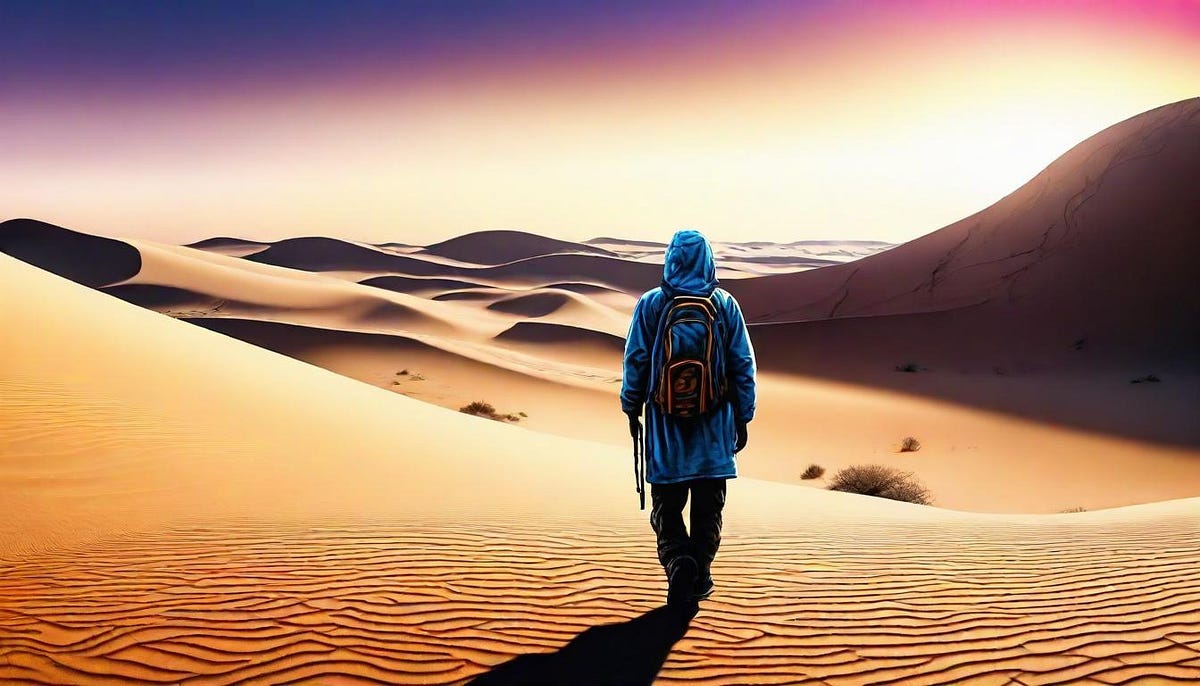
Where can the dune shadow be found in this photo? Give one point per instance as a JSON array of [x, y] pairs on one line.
[[627, 653]]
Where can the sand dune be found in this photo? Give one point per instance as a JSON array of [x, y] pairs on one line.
[[499, 247], [90, 260], [434, 371], [245, 288], [418, 285], [277, 523], [1085, 271], [565, 307], [533, 304], [226, 245], [484, 294], [567, 343], [749, 258], [610, 240], [1068, 253], [328, 255], [1081, 388], [319, 254], [165, 298], [582, 288], [623, 275]]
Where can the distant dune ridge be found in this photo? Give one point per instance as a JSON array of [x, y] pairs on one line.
[[498, 247]]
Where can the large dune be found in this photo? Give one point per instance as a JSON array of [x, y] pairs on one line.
[[1045, 305], [180, 506], [1096, 248]]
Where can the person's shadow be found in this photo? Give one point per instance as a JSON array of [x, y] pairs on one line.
[[629, 653]]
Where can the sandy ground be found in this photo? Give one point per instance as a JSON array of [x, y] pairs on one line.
[[179, 505]]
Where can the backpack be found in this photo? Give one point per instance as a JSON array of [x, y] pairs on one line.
[[690, 379]]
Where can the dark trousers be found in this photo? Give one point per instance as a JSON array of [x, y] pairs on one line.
[[666, 517]]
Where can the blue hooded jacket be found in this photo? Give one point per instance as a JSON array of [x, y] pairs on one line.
[[700, 448]]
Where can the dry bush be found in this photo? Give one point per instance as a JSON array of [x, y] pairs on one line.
[[480, 408], [909, 367], [1149, 378], [814, 471], [909, 445], [881, 481], [1072, 510]]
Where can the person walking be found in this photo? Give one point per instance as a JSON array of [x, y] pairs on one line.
[[689, 367]]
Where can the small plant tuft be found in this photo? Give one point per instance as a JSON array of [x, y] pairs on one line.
[[1149, 378], [402, 372], [814, 471], [480, 408], [909, 445], [1072, 510], [881, 481], [908, 367]]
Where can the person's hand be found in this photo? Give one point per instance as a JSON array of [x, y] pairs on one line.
[[635, 424], [743, 435]]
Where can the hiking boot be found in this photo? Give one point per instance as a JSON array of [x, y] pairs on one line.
[[703, 588], [681, 580]]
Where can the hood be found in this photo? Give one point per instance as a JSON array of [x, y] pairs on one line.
[[689, 267]]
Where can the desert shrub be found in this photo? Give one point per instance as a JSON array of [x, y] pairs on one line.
[[478, 408], [881, 481], [909, 367], [522, 414], [814, 471], [909, 445], [402, 372], [1072, 510], [1149, 378]]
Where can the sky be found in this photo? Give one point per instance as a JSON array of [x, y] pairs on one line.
[[417, 120]]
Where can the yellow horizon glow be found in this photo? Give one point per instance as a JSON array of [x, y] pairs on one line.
[[774, 147]]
